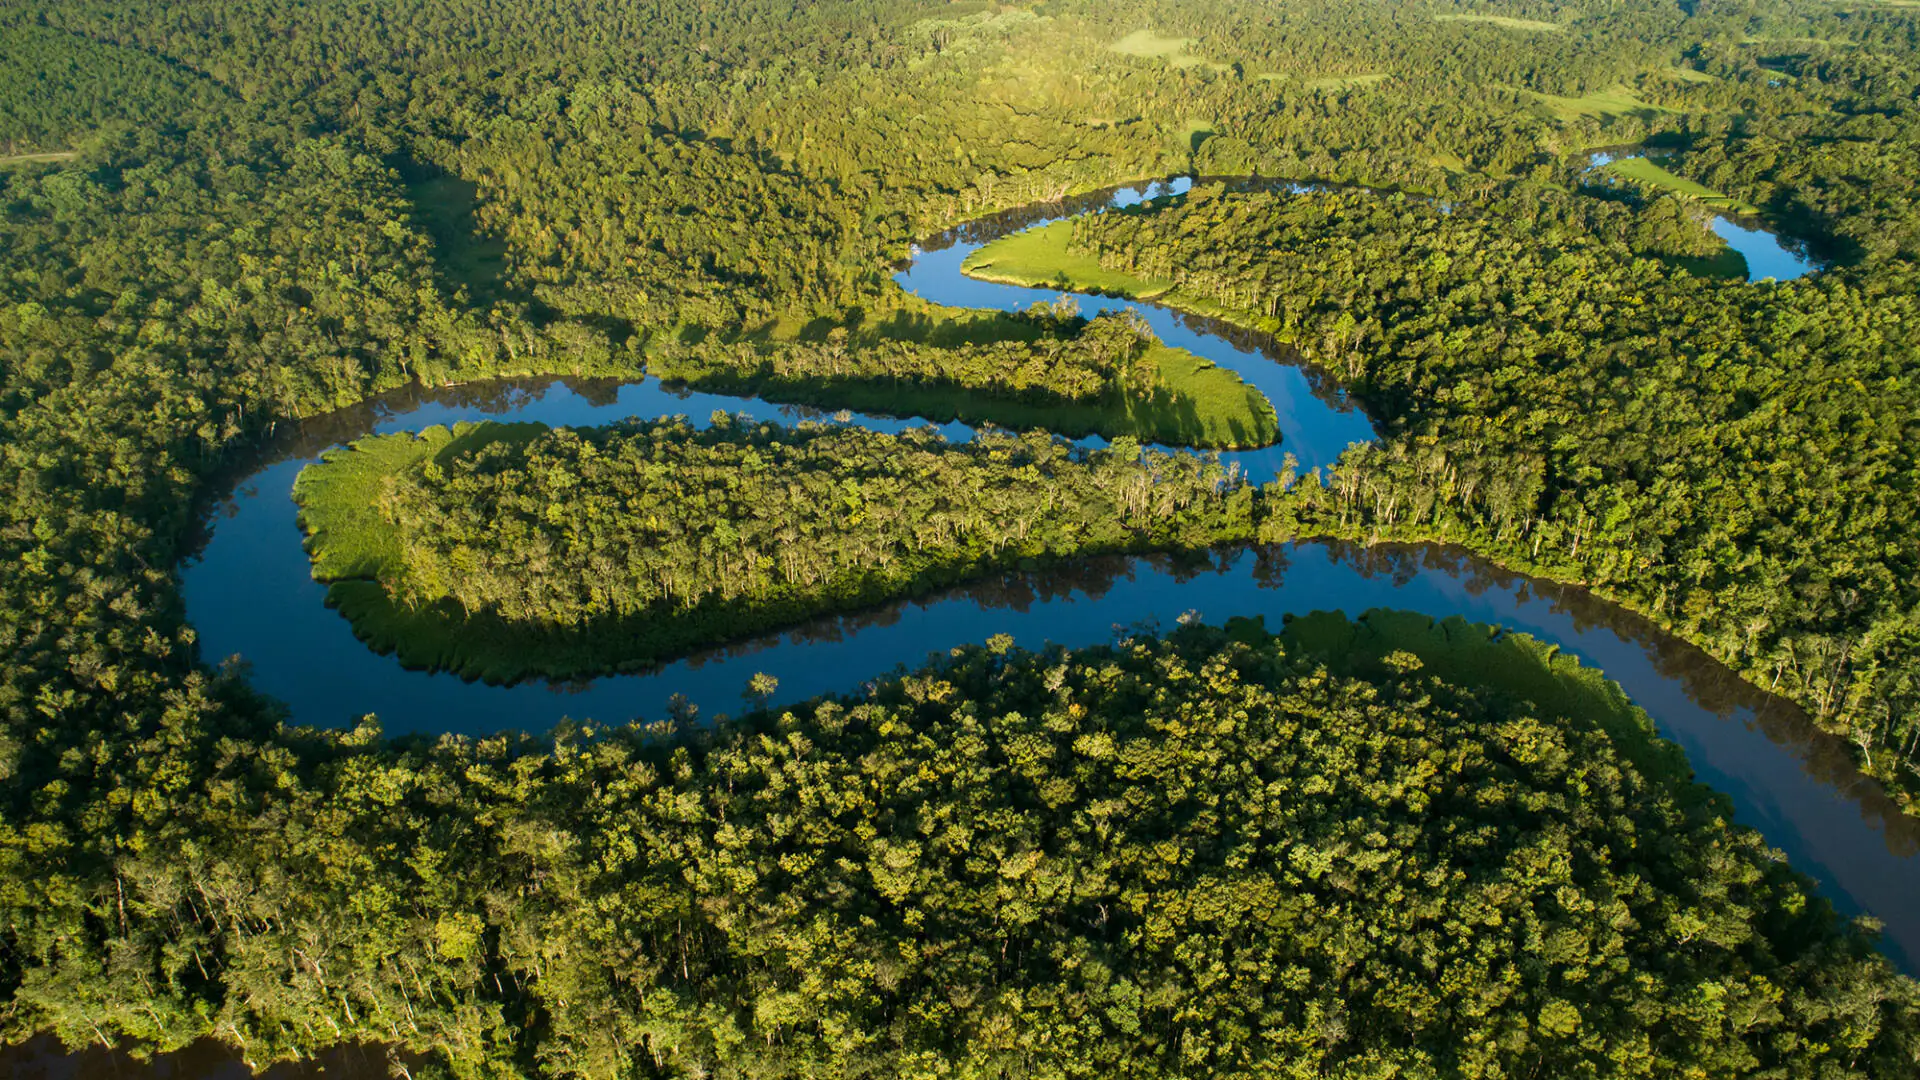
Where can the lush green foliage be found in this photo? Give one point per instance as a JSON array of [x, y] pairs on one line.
[[1163, 858], [277, 208], [57, 88], [1736, 460], [502, 551], [1045, 369]]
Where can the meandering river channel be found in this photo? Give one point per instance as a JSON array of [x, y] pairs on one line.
[[250, 595]]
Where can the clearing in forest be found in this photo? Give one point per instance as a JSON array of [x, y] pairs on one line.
[[1173, 50], [1601, 104], [1646, 172], [1504, 22], [25, 159]]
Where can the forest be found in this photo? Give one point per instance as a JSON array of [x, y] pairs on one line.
[[221, 220], [1734, 460], [1044, 368], [502, 551], [1207, 853]]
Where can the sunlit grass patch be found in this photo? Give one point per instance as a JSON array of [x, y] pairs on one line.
[[1040, 258], [1147, 44], [1645, 171], [1613, 101], [1505, 23]]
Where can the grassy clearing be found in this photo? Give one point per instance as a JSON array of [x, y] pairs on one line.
[[1645, 171], [29, 159], [1505, 23], [1194, 132], [347, 494], [1692, 76], [1040, 258], [1614, 101], [352, 547], [1149, 45]]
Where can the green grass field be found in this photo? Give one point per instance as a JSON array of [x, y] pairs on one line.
[[46, 157], [1647, 172], [1039, 258], [1615, 101], [1505, 23], [1692, 76], [1149, 45]]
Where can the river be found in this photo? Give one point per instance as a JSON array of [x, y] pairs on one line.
[[250, 595]]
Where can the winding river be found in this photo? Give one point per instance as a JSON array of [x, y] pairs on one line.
[[250, 595]]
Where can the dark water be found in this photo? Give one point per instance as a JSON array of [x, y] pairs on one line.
[[43, 1058], [251, 597]]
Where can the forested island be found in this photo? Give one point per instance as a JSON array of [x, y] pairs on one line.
[[502, 551], [1343, 848]]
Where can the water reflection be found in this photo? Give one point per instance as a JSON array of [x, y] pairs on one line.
[[1317, 420], [251, 594]]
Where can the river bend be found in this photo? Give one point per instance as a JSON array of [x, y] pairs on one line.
[[250, 595]]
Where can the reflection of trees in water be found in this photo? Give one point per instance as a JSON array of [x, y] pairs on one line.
[[1686, 670], [301, 440]]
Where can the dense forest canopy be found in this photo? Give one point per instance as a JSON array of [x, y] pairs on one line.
[[503, 550], [1735, 459], [219, 218], [1168, 857]]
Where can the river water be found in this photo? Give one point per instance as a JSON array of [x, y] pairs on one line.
[[1769, 255], [250, 595]]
